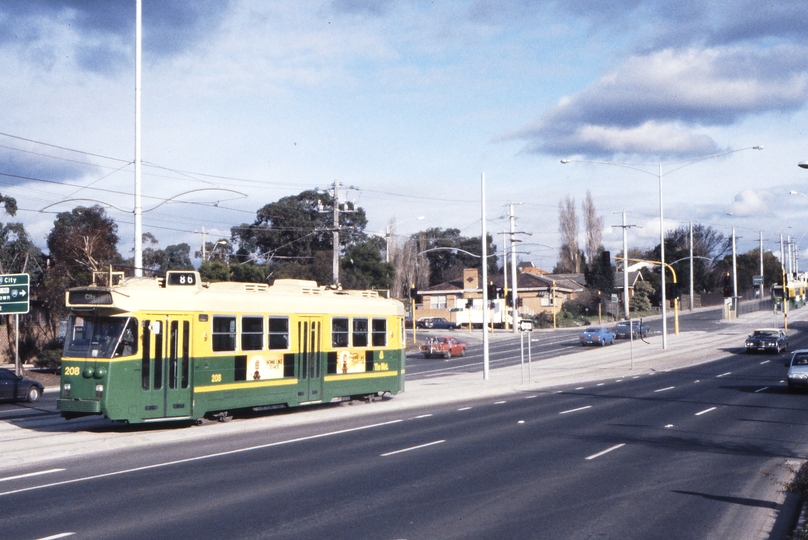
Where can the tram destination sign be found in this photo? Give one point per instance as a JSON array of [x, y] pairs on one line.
[[13, 293]]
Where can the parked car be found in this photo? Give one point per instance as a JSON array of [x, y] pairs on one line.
[[623, 330], [442, 346], [767, 340], [597, 335], [439, 323], [798, 370], [15, 387]]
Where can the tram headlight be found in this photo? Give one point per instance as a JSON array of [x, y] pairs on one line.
[[67, 389], [99, 390]]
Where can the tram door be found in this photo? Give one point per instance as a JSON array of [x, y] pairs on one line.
[[309, 359], [166, 367]]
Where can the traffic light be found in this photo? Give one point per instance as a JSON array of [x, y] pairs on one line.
[[509, 298], [492, 290], [600, 298], [606, 259], [727, 285], [519, 301], [414, 294]]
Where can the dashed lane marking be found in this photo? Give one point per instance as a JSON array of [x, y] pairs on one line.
[[576, 410], [29, 475], [615, 447], [411, 448]]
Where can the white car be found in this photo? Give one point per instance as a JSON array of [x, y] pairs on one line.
[[798, 370]]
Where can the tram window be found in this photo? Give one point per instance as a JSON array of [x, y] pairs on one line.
[[186, 339], [173, 346], [224, 333], [252, 333], [127, 346], [279, 333], [339, 332], [379, 332], [360, 332], [145, 367], [158, 355]]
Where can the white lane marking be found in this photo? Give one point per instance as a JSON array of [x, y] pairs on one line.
[[412, 448], [464, 409], [664, 389], [600, 384], [615, 447], [765, 362], [423, 416], [49, 471], [202, 457], [499, 402], [761, 389], [580, 387], [576, 410], [723, 374], [619, 380], [531, 397], [705, 411], [60, 535]]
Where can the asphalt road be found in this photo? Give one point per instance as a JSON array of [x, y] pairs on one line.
[[542, 345], [691, 453]]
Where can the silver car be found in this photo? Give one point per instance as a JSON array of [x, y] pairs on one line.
[[798, 370]]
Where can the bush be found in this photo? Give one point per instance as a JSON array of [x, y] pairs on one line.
[[571, 309], [50, 357]]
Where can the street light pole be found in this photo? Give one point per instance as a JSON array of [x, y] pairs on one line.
[[659, 176], [662, 268], [484, 258]]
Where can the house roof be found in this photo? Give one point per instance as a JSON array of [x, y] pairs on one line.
[[633, 278]]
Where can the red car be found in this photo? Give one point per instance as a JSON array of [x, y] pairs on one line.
[[442, 346]]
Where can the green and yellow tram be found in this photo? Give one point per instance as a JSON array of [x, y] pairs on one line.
[[174, 348]]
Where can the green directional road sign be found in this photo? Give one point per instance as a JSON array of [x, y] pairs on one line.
[[13, 293]]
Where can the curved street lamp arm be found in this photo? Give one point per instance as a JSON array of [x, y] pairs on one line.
[[150, 209], [673, 272], [453, 249], [683, 163]]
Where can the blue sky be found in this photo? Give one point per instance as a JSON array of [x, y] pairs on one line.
[[410, 102]]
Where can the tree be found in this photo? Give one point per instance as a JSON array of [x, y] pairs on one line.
[[83, 241], [448, 264], [177, 257], [569, 253], [599, 273], [363, 267], [640, 301], [293, 236], [594, 228]]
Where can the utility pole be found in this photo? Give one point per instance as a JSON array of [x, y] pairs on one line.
[[625, 264], [515, 309], [335, 229], [760, 294], [691, 266], [335, 254]]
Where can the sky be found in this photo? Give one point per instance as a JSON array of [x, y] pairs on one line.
[[408, 105]]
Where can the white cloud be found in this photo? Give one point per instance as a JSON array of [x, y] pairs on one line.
[[751, 203], [655, 104]]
